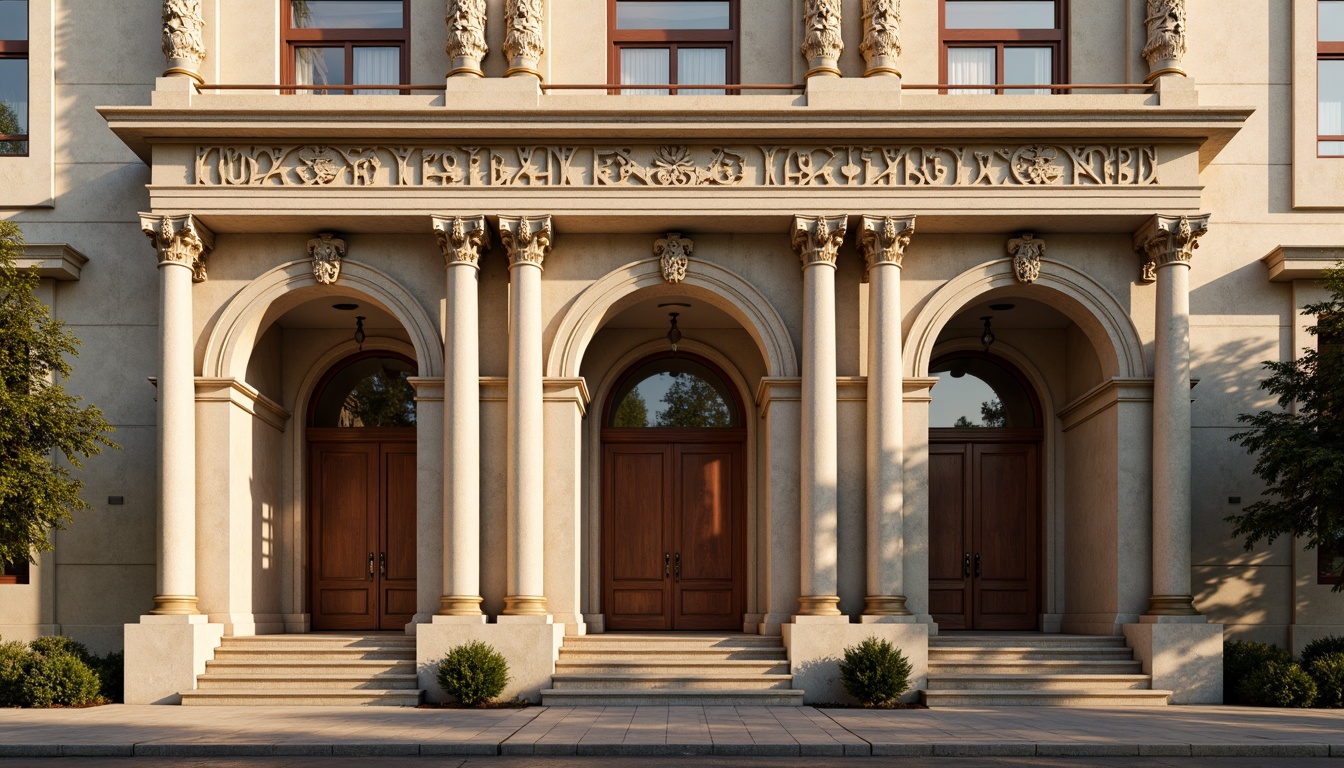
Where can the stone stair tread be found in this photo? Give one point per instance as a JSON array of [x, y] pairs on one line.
[[238, 677], [958, 676], [1101, 697], [673, 697], [636, 677], [309, 697]]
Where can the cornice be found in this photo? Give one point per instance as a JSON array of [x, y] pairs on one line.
[[55, 260], [1301, 262]]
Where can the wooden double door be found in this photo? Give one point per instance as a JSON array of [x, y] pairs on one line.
[[674, 530], [362, 531], [984, 530]]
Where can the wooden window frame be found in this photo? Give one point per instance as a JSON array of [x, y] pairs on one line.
[[293, 39], [18, 49], [673, 39], [17, 573], [1056, 39], [1325, 51]]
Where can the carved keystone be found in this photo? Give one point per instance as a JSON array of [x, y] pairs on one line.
[[674, 255], [327, 250], [1026, 252]]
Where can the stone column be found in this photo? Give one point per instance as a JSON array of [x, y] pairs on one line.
[[463, 241], [1165, 20], [181, 244], [881, 37], [822, 41], [527, 240], [817, 240], [183, 38], [1169, 242], [883, 240], [466, 37], [524, 37]]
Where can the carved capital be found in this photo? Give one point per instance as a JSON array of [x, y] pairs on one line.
[[883, 240], [674, 255], [1026, 252], [1166, 37], [822, 42], [183, 37], [1167, 240], [326, 250], [179, 239], [526, 238], [466, 37], [523, 39], [463, 240], [881, 45], [817, 239]]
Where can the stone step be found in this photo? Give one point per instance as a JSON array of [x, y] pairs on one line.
[[310, 667], [671, 697], [672, 643], [1037, 682], [315, 653], [304, 698], [653, 654], [1028, 653], [1021, 698], [670, 666], [226, 681], [1047, 666], [319, 641], [1021, 638], [658, 682]]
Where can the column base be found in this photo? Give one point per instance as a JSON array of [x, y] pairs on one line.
[[460, 605], [819, 605], [174, 605], [885, 605], [1183, 656], [164, 655], [525, 605], [1172, 605]]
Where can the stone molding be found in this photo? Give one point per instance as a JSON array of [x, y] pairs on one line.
[[466, 45], [57, 261], [817, 239], [326, 251], [527, 239], [884, 240], [245, 397], [1026, 252], [822, 39], [1166, 240], [881, 46], [1166, 47], [463, 240], [1287, 263], [179, 239], [184, 38], [1102, 397], [674, 256], [524, 41], [772, 389]]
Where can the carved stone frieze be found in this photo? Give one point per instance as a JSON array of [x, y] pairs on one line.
[[884, 239], [822, 41], [326, 250], [881, 36], [179, 239], [183, 37], [523, 39], [466, 37], [1166, 240], [463, 240], [526, 238], [1026, 252], [817, 239], [1166, 37], [674, 255], [874, 166]]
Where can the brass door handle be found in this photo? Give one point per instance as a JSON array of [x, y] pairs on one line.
[[382, 563], [370, 566], [667, 564], [678, 566], [966, 566], [977, 565]]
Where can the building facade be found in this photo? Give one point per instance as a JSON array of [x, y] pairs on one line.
[[904, 318]]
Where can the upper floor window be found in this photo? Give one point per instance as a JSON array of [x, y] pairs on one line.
[[1003, 42], [16, 573], [346, 42], [673, 42], [13, 77], [1330, 78]]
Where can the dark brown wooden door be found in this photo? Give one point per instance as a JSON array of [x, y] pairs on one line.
[[674, 533], [984, 503], [362, 568]]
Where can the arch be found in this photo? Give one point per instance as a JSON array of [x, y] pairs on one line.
[[712, 283], [271, 294], [1083, 300]]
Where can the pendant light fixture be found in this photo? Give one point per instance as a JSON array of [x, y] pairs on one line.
[[359, 332], [987, 337], [673, 333]]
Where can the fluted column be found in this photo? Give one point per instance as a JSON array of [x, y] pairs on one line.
[[883, 239], [1169, 242], [181, 244], [817, 240], [524, 37], [463, 241], [881, 46], [183, 38], [527, 240], [822, 41], [466, 37], [1166, 46]]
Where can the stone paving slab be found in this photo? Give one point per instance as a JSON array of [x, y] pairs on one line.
[[203, 732]]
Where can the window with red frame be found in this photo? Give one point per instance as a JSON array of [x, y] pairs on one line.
[[15, 574], [346, 42], [673, 42], [1003, 42], [13, 77], [1330, 78]]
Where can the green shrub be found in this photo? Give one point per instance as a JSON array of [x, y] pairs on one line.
[[473, 673], [875, 672], [1318, 648], [1241, 659], [60, 679], [110, 670], [15, 662], [1279, 684], [54, 645], [1327, 670]]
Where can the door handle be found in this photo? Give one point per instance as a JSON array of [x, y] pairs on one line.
[[667, 564], [977, 565], [370, 566], [678, 566], [382, 563], [966, 566]]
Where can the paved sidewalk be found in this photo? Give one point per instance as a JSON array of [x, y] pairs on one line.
[[774, 731]]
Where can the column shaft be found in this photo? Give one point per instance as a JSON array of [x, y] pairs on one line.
[[1171, 433], [462, 427], [886, 475], [177, 444]]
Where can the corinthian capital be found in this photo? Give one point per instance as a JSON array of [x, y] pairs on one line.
[[1166, 38], [817, 239], [881, 36], [183, 38], [1166, 240], [883, 239], [463, 240], [822, 43], [523, 39], [526, 238], [466, 37], [180, 240]]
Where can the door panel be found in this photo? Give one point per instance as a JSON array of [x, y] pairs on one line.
[[706, 589], [949, 537], [397, 569], [345, 532], [635, 536]]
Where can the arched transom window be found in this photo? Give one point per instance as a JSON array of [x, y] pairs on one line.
[[675, 392]]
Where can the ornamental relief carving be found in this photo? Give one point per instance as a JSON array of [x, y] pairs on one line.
[[1026, 252], [326, 250], [678, 166], [183, 33], [523, 30], [179, 240], [527, 239], [822, 41], [466, 30], [881, 29], [1166, 34], [674, 256], [462, 240]]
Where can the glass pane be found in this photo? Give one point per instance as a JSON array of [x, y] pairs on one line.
[[319, 66], [976, 392], [641, 66], [372, 392], [702, 65], [346, 14], [1331, 149], [970, 66], [1331, 21], [1330, 90], [674, 393], [13, 104], [13, 19], [1000, 14], [669, 14], [377, 66], [1027, 66]]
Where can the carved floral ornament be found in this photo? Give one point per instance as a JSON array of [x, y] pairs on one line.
[[466, 36], [463, 240], [183, 37], [1026, 252], [523, 40], [179, 240], [817, 239], [326, 250], [1167, 240], [884, 240], [674, 256], [881, 36], [822, 40], [526, 238]]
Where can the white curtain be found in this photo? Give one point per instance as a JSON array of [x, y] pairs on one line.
[[970, 66], [310, 67], [640, 66], [1027, 66], [702, 65], [377, 66], [1330, 87]]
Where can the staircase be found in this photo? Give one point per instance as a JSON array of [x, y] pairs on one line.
[[310, 670], [974, 670], [706, 669]]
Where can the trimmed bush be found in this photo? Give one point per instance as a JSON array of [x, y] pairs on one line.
[[1241, 659], [15, 662], [474, 673], [1318, 648], [60, 680], [1327, 670], [1279, 684], [875, 672], [53, 645]]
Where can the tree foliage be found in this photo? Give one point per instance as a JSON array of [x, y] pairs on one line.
[[632, 412], [38, 418], [10, 126], [693, 402]]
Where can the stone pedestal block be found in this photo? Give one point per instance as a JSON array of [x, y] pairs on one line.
[[816, 648], [164, 654], [530, 644], [1184, 657]]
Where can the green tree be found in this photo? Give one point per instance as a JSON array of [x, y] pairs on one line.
[[38, 418], [693, 402], [10, 126], [385, 399], [993, 414], [1299, 446], [632, 412]]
